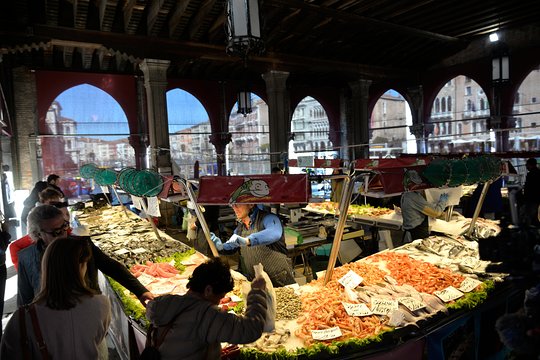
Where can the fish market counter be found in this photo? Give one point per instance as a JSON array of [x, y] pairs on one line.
[[432, 296]]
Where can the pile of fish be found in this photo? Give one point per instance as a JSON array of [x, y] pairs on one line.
[[127, 238]]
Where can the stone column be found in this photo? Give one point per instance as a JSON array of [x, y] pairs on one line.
[[279, 114], [358, 119], [416, 98], [344, 141], [155, 83]]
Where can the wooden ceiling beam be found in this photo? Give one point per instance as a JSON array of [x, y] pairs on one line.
[[107, 10], [143, 46], [133, 12], [157, 15], [353, 18]]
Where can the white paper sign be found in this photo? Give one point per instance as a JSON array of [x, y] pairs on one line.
[[104, 189], [448, 294], [153, 206], [351, 280], [381, 306], [357, 309], [161, 289], [326, 334], [136, 202], [121, 251], [470, 262], [469, 284], [294, 286], [411, 303], [88, 204], [236, 298], [145, 279], [139, 250]]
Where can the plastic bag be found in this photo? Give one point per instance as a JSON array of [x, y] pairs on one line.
[[269, 324]]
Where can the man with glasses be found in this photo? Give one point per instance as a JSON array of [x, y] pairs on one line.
[[46, 223], [49, 196]]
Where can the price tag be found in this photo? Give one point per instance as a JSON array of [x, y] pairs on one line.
[[326, 334], [357, 309], [469, 284], [145, 279], [411, 303], [294, 286], [396, 318], [321, 274], [104, 189], [383, 306], [236, 298], [138, 250], [448, 294], [88, 204], [470, 262], [121, 251], [351, 280], [162, 289]]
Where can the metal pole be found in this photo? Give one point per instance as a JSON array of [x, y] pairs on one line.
[[479, 206], [200, 216], [120, 201], [348, 187]]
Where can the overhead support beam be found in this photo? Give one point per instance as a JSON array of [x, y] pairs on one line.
[[176, 50], [353, 18]]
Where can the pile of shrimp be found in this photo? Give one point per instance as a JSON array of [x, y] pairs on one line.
[[423, 276], [323, 309]]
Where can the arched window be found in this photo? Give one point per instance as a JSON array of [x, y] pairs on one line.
[[443, 105], [449, 103], [469, 105], [527, 109], [482, 104], [189, 125], [249, 149], [389, 126], [311, 133], [84, 124], [437, 106]]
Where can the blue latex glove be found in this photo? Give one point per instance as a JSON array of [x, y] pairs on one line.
[[216, 241], [443, 198]]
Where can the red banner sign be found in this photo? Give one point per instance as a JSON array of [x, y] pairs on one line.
[[254, 189]]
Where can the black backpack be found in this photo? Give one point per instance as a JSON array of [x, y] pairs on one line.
[[151, 348]]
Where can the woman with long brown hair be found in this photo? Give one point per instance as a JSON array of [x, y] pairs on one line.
[[72, 317]]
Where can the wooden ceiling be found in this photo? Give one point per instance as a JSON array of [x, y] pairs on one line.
[[312, 39]]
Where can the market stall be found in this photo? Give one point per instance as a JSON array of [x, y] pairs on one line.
[[404, 300]]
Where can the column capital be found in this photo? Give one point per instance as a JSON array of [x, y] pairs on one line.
[[360, 87], [275, 80], [154, 70]]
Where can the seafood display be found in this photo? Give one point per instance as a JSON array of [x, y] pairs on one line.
[[388, 291]]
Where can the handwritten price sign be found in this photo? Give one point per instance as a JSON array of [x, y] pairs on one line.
[[381, 306], [448, 294], [351, 280], [357, 309], [469, 284], [326, 334], [411, 303]]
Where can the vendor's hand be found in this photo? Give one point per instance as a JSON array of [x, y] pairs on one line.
[[146, 297], [241, 241], [443, 198], [258, 283], [216, 241], [231, 244]]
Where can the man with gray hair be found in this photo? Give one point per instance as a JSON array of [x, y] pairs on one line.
[[46, 223]]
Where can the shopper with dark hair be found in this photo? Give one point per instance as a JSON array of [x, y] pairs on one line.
[[198, 325], [53, 181], [73, 318]]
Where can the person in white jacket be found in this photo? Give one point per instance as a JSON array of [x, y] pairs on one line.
[[73, 318]]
